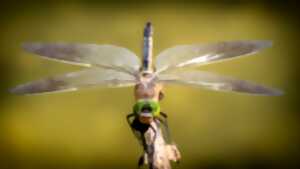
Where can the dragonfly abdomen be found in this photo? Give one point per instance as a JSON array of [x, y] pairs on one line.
[[148, 46]]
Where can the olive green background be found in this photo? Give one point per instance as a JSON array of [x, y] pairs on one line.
[[88, 130]]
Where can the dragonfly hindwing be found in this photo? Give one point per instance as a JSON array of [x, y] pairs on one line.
[[215, 82], [195, 55], [75, 80]]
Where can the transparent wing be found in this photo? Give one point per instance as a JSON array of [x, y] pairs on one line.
[[194, 55], [75, 80], [216, 82], [106, 56]]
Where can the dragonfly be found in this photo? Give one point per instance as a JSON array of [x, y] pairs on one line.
[[114, 66]]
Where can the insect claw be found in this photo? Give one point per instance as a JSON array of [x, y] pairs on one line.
[[142, 160]]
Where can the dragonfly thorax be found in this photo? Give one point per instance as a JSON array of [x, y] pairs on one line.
[[147, 87], [146, 78]]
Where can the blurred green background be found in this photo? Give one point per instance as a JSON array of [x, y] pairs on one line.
[[88, 130]]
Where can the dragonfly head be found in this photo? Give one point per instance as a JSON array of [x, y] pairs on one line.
[[146, 110]]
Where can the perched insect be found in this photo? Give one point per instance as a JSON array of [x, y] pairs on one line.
[[112, 66]]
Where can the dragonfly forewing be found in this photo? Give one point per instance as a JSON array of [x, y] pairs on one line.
[[195, 55], [216, 82], [105, 56], [76, 80]]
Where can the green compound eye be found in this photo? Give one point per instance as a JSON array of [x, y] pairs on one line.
[[149, 105]]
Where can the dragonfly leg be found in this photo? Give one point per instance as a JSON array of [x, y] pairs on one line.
[[164, 115], [164, 120], [135, 127], [141, 161], [139, 132], [129, 117]]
